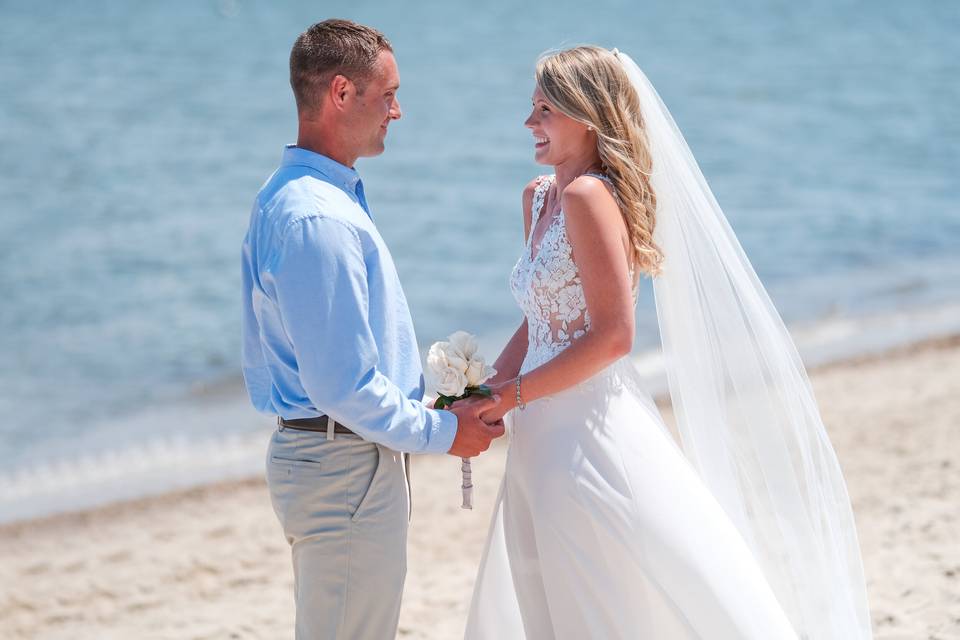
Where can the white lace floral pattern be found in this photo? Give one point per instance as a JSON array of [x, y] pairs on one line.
[[546, 285]]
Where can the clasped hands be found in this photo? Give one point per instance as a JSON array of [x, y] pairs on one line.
[[480, 420]]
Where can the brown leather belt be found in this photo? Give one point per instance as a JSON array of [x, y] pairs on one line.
[[319, 423]]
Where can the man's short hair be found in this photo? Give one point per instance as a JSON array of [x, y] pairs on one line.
[[330, 48]]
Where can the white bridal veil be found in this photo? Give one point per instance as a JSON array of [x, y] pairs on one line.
[[745, 411]]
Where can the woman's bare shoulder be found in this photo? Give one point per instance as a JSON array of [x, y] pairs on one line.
[[589, 198]]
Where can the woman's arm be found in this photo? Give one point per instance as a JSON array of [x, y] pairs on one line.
[[596, 232], [511, 358]]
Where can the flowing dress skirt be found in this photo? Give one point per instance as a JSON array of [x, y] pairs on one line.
[[602, 529]]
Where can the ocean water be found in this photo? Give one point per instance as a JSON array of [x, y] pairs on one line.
[[133, 137]]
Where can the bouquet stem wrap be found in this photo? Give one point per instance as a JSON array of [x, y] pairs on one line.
[[467, 486]]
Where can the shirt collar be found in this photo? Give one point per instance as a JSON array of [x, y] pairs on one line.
[[339, 175]]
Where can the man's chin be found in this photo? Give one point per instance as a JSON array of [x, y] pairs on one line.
[[374, 150]]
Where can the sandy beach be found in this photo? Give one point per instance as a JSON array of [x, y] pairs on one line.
[[212, 563]]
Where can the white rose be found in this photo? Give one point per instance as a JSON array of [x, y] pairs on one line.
[[478, 372], [451, 382], [452, 355], [446, 376], [436, 358], [464, 344], [455, 364]]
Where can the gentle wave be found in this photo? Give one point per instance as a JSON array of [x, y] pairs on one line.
[[154, 467]]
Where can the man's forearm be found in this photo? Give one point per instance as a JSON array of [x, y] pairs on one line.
[[379, 412]]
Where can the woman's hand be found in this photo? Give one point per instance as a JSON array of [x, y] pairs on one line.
[[507, 390]]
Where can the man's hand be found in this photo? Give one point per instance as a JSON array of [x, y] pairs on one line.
[[473, 434]]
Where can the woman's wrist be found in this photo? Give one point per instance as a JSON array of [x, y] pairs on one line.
[[497, 381], [507, 390]]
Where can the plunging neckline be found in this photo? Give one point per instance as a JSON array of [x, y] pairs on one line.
[[539, 243], [550, 225]]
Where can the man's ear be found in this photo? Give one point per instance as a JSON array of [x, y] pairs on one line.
[[340, 89]]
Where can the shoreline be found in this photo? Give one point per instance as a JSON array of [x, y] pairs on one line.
[[211, 561], [212, 434], [248, 479]]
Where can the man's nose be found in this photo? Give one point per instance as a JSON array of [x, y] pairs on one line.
[[395, 111]]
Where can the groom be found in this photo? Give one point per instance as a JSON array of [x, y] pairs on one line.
[[329, 347]]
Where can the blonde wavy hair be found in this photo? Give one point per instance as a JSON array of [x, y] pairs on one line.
[[589, 84]]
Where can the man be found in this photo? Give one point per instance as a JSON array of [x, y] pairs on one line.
[[329, 346]]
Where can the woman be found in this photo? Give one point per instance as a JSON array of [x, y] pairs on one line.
[[603, 527]]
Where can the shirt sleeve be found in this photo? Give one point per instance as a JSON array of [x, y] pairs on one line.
[[256, 376], [321, 288]]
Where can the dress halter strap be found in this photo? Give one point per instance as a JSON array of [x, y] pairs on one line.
[[600, 176], [605, 178], [543, 185], [539, 197]]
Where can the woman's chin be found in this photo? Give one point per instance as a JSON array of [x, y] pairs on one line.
[[540, 157]]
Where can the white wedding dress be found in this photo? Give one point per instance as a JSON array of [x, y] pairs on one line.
[[602, 528]]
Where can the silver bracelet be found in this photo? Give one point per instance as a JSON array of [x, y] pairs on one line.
[[520, 404]]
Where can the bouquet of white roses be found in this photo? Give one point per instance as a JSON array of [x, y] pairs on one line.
[[457, 371]]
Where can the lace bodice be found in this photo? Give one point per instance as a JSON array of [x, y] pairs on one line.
[[546, 285]]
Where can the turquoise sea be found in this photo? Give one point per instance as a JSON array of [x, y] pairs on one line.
[[133, 137]]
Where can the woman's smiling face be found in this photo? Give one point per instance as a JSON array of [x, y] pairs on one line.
[[557, 137]]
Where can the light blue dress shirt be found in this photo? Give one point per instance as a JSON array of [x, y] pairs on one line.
[[326, 327]]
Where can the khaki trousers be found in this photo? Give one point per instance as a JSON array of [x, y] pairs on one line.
[[343, 504]]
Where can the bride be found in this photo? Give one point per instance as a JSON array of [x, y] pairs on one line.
[[604, 527]]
